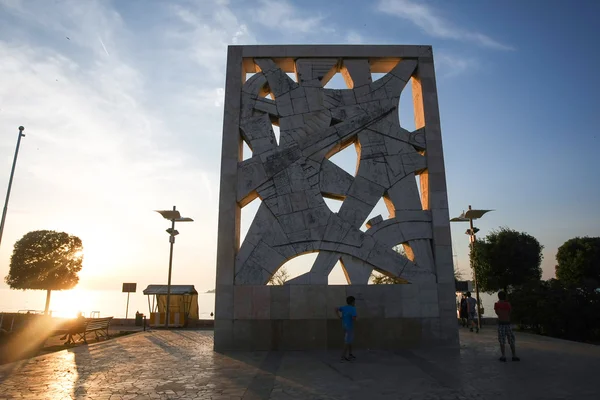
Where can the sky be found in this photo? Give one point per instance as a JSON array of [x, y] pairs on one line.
[[122, 103]]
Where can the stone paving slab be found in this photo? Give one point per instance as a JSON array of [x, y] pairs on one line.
[[182, 364]]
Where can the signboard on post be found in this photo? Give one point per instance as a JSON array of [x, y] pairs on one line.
[[128, 288]]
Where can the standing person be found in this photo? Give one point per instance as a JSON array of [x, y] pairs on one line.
[[503, 309], [471, 309], [347, 314], [463, 312]]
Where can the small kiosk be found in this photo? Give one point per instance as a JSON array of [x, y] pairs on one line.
[[183, 305]]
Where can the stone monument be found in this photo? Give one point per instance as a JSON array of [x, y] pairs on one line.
[[284, 86]]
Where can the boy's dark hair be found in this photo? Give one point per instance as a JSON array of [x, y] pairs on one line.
[[502, 295], [468, 294], [350, 300]]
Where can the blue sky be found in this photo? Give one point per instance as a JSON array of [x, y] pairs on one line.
[[122, 104]]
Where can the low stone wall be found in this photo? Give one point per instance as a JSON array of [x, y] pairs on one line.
[[15, 321], [19, 321], [299, 317], [202, 323], [123, 322]]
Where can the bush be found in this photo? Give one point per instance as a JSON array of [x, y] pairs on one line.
[[555, 309]]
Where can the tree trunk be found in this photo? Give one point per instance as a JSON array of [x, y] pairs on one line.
[[47, 301]]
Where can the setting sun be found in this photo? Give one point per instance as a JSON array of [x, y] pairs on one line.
[[69, 303]]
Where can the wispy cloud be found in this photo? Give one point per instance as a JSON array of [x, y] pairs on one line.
[[353, 37], [106, 143], [450, 65], [109, 139], [103, 46], [433, 24], [206, 34], [282, 14]]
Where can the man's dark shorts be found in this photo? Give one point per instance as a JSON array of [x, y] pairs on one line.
[[505, 332]]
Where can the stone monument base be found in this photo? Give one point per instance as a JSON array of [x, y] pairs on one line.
[[302, 317]]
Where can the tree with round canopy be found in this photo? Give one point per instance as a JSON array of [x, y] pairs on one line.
[[45, 260]]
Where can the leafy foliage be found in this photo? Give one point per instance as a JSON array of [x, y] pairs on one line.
[[280, 277], [579, 262], [457, 274], [380, 279], [399, 248], [555, 309], [506, 259], [45, 260]]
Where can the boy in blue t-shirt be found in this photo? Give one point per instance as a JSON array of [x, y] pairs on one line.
[[347, 314]]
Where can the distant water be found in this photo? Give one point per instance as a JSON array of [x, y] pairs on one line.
[[112, 303], [487, 302], [67, 303]]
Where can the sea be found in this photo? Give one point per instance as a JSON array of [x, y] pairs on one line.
[[106, 303], [102, 303]]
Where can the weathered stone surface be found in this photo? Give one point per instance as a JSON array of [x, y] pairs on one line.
[[366, 191], [262, 263], [251, 175], [405, 194], [261, 302], [356, 72], [292, 177], [320, 70], [258, 133], [323, 265], [374, 221], [280, 302], [354, 211], [422, 254], [308, 301], [242, 302], [357, 271], [334, 180]]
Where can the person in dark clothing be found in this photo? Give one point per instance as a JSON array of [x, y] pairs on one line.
[[463, 313], [471, 308]]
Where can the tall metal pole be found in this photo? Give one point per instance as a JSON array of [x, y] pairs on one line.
[[473, 238], [12, 173], [127, 307], [172, 240]]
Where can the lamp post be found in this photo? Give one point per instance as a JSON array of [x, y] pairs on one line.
[[173, 216], [12, 173], [469, 216]]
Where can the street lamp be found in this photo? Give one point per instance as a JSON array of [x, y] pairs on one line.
[[173, 216], [469, 216], [12, 173]]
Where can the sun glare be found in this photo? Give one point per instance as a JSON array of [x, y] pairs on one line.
[[69, 303]]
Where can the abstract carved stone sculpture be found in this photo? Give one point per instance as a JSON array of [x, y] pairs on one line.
[[291, 177]]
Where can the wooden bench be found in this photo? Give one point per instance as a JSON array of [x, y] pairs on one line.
[[97, 325]]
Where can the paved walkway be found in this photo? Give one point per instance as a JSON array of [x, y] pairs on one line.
[[181, 364]]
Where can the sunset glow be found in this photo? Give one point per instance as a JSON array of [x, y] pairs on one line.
[[69, 303]]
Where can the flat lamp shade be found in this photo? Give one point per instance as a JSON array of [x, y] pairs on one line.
[[469, 215], [475, 214], [169, 214]]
